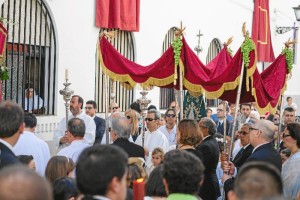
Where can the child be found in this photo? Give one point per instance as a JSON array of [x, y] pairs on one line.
[[157, 158]]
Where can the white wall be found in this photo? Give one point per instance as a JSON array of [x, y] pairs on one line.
[[77, 37]]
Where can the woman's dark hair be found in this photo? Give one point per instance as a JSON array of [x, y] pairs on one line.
[[154, 185], [294, 130], [25, 159], [286, 152], [64, 188]]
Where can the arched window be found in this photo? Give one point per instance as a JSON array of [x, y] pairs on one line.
[[167, 95], [213, 49], [125, 44], [30, 53]]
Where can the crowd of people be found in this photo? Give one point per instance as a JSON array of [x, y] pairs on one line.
[[177, 159]]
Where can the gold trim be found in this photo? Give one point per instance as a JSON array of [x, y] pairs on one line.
[[267, 20], [126, 78]]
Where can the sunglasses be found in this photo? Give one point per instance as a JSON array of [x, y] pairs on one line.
[[170, 115], [251, 129], [88, 108], [242, 132], [149, 119], [128, 117], [115, 108], [286, 135]]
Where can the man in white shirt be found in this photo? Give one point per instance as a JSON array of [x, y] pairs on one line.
[[245, 110], [169, 130], [290, 103], [61, 139], [153, 137], [30, 144], [75, 133]]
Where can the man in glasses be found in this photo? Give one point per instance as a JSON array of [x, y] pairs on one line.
[[246, 149], [90, 109], [153, 137], [114, 107], [261, 137], [169, 130], [220, 122], [60, 138]]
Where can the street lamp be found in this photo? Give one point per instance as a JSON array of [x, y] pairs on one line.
[[284, 29], [297, 12]]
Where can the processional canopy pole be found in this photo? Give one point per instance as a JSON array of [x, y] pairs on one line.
[[67, 94], [238, 96], [143, 102]]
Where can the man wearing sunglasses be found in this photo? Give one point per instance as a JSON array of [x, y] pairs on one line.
[[90, 109], [169, 130], [153, 137], [261, 137]]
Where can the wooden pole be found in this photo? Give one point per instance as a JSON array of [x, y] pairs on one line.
[[225, 124], [106, 108], [237, 102], [181, 94], [280, 121]]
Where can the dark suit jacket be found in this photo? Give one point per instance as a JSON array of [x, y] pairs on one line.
[[133, 150], [266, 153], [239, 160], [210, 151], [100, 128], [7, 157], [220, 129]]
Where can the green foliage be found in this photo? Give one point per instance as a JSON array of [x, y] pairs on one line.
[[177, 44], [246, 48], [3, 73], [289, 58]]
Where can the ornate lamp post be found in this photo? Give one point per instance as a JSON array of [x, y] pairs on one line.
[[144, 107], [67, 94]]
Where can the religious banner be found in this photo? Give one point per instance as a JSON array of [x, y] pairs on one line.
[[261, 33], [124, 15], [193, 107]]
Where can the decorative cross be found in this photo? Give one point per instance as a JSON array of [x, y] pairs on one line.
[[198, 48]]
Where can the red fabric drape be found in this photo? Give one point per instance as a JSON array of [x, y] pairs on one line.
[[261, 33], [217, 76], [124, 14], [3, 36], [160, 73], [266, 87]]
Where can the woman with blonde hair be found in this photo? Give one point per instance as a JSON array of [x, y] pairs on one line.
[[59, 166], [133, 118]]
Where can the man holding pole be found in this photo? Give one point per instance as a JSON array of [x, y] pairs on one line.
[[61, 139]]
